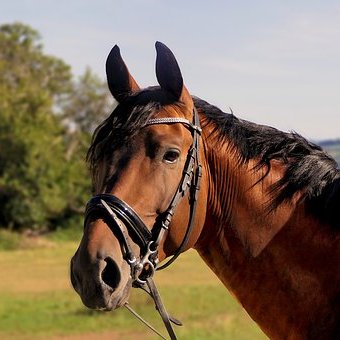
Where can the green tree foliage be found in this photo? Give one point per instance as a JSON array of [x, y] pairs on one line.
[[83, 109], [43, 177], [88, 103]]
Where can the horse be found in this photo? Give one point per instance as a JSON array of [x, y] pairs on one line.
[[172, 172]]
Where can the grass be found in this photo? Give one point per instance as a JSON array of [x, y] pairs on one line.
[[37, 301], [9, 240]]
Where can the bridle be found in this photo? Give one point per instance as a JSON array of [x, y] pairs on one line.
[[123, 221]]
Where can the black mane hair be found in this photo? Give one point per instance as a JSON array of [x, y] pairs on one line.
[[308, 168]]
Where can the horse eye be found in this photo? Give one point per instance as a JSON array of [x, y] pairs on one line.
[[171, 156]]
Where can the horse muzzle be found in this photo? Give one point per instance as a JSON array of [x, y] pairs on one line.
[[102, 284]]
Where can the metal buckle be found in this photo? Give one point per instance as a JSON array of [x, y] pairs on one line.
[[146, 266]]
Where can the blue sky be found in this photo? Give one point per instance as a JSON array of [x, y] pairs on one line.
[[273, 62]]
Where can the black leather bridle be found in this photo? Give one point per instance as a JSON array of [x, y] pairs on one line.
[[124, 221]]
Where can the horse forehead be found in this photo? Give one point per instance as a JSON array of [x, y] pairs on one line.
[[167, 132], [174, 110], [170, 130]]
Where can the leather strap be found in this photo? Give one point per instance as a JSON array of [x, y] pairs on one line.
[[151, 289], [160, 307], [170, 120], [124, 213], [190, 180]]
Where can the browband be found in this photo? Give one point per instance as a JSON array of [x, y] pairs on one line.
[[170, 120]]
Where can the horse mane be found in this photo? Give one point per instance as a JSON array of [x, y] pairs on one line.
[[309, 169]]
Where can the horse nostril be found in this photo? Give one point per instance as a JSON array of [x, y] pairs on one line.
[[111, 274]]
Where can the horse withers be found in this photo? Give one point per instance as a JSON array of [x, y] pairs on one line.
[[172, 172]]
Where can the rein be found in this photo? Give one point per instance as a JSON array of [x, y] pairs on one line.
[[124, 220]]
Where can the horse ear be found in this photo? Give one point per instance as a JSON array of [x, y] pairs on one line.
[[119, 79], [168, 72]]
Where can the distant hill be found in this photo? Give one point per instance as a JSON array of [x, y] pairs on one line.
[[332, 146]]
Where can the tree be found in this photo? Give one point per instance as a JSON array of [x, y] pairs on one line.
[[88, 103], [38, 182]]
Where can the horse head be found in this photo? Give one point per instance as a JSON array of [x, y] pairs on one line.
[[145, 165]]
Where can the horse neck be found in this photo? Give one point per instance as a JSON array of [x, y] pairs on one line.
[[238, 197], [251, 250]]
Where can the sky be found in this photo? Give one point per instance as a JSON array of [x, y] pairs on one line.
[[272, 62]]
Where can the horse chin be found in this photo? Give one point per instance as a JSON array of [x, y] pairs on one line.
[[107, 300], [118, 299]]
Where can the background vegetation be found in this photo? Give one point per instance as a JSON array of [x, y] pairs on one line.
[[47, 117]]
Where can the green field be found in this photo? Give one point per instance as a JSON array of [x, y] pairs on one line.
[[37, 301]]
